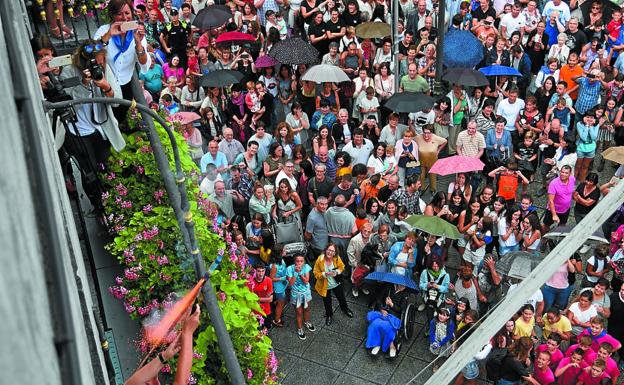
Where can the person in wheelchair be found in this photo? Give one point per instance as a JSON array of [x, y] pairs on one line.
[[434, 284], [384, 325]]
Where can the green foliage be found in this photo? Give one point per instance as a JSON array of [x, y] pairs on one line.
[[149, 246]]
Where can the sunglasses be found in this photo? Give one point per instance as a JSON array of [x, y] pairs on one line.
[[93, 48]]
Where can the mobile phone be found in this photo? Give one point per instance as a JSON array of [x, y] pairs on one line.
[[614, 180], [129, 26], [445, 207], [60, 61]]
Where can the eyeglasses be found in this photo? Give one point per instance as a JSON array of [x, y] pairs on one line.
[[93, 48]]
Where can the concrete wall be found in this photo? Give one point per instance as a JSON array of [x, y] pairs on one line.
[[27, 349]]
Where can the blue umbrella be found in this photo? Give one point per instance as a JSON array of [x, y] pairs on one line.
[[462, 50], [499, 70], [392, 278]]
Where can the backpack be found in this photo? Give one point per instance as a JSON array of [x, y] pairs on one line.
[[433, 297], [494, 364]]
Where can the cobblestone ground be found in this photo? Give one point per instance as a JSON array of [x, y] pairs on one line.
[[336, 354]]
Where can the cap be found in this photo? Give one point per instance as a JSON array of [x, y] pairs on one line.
[[174, 12]]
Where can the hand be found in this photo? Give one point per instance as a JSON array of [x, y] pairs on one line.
[[555, 218], [389, 302], [173, 348], [192, 321], [42, 65], [483, 298], [435, 345], [298, 269], [115, 28], [491, 264], [139, 34]]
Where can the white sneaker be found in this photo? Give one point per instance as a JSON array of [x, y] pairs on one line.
[[392, 352], [421, 307], [354, 291], [375, 350], [365, 291]]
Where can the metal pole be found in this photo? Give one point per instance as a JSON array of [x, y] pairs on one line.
[[180, 205], [395, 43], [512, 302], [437, 89]]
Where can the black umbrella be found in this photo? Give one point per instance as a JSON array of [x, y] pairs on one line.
[[213, 16], [294, 51], [465, 77], [409, 102], [220, 78]]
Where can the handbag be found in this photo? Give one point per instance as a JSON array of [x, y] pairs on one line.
[[288, 231]]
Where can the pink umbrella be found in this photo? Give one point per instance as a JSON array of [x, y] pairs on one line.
[[184, 117], [265, 61], [235, 37], [456, 164]]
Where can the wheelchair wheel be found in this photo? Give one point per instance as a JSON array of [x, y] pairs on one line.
[[408, 320]]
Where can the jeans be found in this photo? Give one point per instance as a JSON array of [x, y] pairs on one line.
[[503, 381], [553, 296]]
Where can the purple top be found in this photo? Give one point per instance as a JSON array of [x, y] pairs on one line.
[[563, 194]]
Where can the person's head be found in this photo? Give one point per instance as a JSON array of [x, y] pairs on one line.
[[276, 150], [213, 148], [597, 368], [299, 260], [521, 348], [412, 71], [529, 138], [564, 173], [527, 312], [553, 342], [605, 350], [219, 188], [252, 147], [260, 270], [443, 314], [597, 325], [572, 59], [553, 314], [526, 201], [542, 360], [412, 183], [577, 356], [600, 288], [319, 170], [585, 299], [471, 128], [321, 204], [120, 10], [324, 106], [465, 273], [573, 24], [439, 199]]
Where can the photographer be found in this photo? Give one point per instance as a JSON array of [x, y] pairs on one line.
[[95, 128], [123, 49]]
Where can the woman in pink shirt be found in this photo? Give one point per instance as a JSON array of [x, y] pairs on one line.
[[173, 68], [556, 290]]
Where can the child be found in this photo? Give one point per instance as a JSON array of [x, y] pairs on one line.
[[262, 286], [403, 226], [552, 346], [252, 100], [254, 238], [604, 353], [584, 345], [280, 282], [569, 368], [541, 371], [283, 29], [507, 179], [614, 26], [526, 156], [594, 374], [441, 332], [597, 266], [562, 112], [524, 325], [300, 293], [599, 335], [192, 61]]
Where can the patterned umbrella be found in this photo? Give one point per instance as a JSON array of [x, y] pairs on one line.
[[456, 164], [265, 61], [294, 51], [467, 44]]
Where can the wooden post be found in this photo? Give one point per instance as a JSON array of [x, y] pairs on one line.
[[514, 301]]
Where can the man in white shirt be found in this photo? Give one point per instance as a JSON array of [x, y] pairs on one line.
[[229, 146], [509, 109], [512, 22], [557, 5], [359, 148], [420, 119]]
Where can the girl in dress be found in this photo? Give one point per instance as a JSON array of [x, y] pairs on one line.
[[441, 332]]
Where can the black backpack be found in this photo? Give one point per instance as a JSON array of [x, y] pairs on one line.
[[494, 364]]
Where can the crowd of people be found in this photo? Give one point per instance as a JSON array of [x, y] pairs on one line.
[[346, 172]]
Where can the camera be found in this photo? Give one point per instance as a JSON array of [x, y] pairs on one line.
[[97, 72]]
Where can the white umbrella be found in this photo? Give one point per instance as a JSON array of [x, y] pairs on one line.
[[325, 73]]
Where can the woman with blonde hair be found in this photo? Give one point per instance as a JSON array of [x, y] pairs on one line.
[[327, 271]]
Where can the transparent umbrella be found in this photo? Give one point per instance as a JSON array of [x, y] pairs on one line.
[[518, 264]]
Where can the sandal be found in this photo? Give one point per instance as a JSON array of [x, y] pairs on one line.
[[68, 31], [56, 33]]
